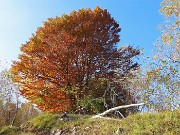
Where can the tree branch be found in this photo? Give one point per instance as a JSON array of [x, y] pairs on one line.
[[114, 109]]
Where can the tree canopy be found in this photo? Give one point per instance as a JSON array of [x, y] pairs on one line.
[[66, 53]]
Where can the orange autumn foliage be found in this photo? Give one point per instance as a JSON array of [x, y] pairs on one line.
[[63, 55]]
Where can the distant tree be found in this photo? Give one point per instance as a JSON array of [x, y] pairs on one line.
[[168, 44], [13, 112], [10, 98], [58, 62], [2, 112], [160, 84], [25, 113]]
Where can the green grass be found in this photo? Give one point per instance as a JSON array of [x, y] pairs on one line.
[[48, 122], [162, 123], [11, 130]]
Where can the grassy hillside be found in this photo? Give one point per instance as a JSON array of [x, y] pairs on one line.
[[164, 123]]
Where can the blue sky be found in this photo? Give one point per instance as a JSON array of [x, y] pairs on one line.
[[20, 18]]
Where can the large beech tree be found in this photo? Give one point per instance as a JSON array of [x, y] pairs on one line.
[[65, 53]]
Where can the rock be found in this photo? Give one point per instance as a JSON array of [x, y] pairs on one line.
[[119, 131], [57, 132], [60, 132], [65, 117], [87, 128], [74, 131], [52, 132], [65, 131]]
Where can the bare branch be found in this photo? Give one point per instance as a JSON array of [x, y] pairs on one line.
[[114, 109]]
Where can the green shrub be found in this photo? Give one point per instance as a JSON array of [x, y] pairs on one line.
[[92, 105]]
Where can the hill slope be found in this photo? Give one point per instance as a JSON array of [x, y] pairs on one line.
[[164, 123]]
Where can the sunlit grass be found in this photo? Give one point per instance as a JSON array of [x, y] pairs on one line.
[[162, 123]]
